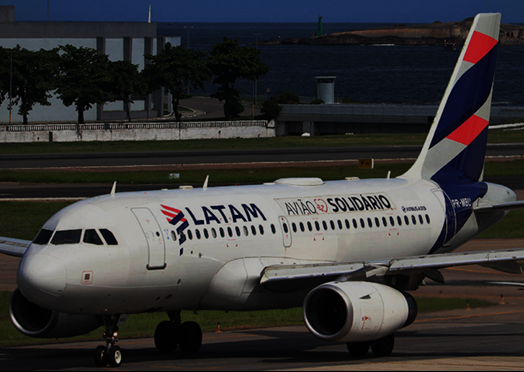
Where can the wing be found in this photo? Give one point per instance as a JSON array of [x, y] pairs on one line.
[[13, 247], [291, 277]]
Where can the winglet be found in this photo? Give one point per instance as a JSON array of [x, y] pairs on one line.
[[456, 144]]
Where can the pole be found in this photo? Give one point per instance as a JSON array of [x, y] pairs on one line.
[[10, 86], [255, 83]]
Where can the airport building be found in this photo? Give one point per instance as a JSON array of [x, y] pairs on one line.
[[128, 41]]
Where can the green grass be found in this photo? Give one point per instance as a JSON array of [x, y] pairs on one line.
[[370, 139], [143, 325]]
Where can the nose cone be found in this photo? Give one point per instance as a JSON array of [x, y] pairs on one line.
[[41, 278]]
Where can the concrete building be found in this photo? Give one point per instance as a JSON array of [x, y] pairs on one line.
[[371, 118], [128, 41]]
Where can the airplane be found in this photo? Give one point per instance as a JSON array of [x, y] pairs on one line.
[[346, 251]]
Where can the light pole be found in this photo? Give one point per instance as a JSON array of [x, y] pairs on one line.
[[255, 83], [10, 86], [188, 27]]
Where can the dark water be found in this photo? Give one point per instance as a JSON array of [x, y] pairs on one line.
[[368, 74]]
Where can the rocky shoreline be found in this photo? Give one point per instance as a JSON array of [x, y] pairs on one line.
[[437, 33]]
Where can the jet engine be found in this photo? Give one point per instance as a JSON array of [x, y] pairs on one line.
[[35, 321], [357, 311]]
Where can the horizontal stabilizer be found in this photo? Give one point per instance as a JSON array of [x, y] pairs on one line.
[[499, 207]]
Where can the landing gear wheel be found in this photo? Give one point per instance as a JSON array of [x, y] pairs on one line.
[[166, 337], [358, 349], [190, 337], [114, 356], [383, 346], [100, 356]]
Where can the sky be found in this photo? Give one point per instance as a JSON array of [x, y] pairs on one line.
[[394, 11]]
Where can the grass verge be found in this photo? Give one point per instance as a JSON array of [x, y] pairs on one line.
[[143, 325]]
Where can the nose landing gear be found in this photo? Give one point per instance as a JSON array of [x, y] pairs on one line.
[[109, 354]]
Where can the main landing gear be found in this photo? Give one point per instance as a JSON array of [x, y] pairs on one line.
[[172, 333], [381, 347], [109, 354]]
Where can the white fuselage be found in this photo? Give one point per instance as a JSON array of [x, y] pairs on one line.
[[231, 234]]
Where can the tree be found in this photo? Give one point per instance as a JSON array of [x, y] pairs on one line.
[[229, 62], [126, 81], [85, 78], [175, 69], [31, 75]]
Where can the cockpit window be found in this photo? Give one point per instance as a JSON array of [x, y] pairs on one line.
[[91, 237], [43, 237], [66, 237], [108, 236]]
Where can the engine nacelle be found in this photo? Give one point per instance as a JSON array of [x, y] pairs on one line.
[[35, 321], [357, 311]]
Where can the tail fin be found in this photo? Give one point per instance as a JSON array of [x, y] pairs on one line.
[[456, 145]]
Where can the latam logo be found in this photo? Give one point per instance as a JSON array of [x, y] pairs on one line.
[[213, 214], [176, 217]]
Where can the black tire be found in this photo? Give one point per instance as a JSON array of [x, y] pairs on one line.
[[166, 337], [383, 346], [99, 356], [114, 356], [358, 349], [190, 337]]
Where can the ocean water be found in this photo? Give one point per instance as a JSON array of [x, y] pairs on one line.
[[367, 74]]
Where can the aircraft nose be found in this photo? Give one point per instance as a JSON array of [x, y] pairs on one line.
[[41, 278]]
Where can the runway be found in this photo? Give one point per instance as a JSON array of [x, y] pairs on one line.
[[476, 339]]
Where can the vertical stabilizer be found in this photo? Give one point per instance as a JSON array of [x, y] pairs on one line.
[[456, 145]]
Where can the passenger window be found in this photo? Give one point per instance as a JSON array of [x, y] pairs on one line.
[[67, 237], [332, 224], [362, 223], [273, 229], [340, 227], [420, 219], [377, 222], [91, 237], [197, 233], [237, 230], [384, 222], [309, 226], [355, 223], [206, 233], [189, 234], [253, 230], [347, 224], [414, 219], [213, 233], [286, 229], [317, 226], [391, 220], [324, 225], [261, 229], [427, 218], [222, 232], [399, 221], [43, 237], [246, 231], [406, 220], [294, 227], [229, 232], [173, 235], [302, 227], [370, 223]]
